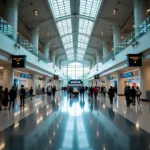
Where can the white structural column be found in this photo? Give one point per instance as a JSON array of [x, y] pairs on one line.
[[35, 39], [34, 83], [106, 83], [46, 50], [120, 84], [53, 57], [83, 74], [105, 49], [93, 62], [11, 15], [139, 13], [98, 57], [8, 77], [116, 37]]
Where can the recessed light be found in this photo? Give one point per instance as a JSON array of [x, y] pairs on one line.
[[122, 37], [35, 12], [115, 11], [102, 32], [148, 10], [1, 67], [133, 26], [47, 33]]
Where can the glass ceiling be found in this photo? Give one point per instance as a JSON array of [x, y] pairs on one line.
[[61, 9]]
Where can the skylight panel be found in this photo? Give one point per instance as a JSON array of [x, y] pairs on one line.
[[90, 8], [83, 38], [85, 26], [60, 8], [80, 51], [64, 27], [82, 45], [67, 39], [70, 57], [68, 45], [69, 52]]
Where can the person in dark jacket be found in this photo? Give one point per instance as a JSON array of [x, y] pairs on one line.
[[133, 95], [22, 95], [111, 94], [12, 95], [43, 90], [128, 95], [1, 97], [31, 93], [6, 98], [53, 91], [70, 91], [91, 92]]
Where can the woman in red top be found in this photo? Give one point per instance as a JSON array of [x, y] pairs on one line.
[[95, 90]]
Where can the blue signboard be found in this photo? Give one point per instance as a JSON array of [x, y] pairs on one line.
[[75, 82], [26, 76], [110, 78], [126, 75]]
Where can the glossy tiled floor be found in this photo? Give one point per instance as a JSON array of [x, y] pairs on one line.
[[73, 125]]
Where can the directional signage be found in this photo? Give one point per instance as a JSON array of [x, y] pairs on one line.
[[75, 82], [18, 61], [96, 77], [56, 77], [134, 60]]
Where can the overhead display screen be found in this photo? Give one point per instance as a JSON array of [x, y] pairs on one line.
[[18, 61], [134, 60], [75, 82], [96, 77], [56, 77]]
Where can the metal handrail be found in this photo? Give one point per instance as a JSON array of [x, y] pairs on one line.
[[131, 38], [7, 29]]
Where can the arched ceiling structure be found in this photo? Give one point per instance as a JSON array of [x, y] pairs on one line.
[[84, 23]]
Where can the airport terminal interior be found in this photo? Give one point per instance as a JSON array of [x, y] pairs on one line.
[[74, 74]]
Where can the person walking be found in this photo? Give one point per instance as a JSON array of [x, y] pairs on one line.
[[91, 92], [12, 95], [1, 97], [31, 93], [49, 90], [95, 90], [133, 95], [43, 90], [111, 94], [70, 91], [6, 98], [22, 96], [53, 91], [138, 94], [127, 95]]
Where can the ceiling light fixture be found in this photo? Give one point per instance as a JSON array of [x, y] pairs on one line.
[[148, 10], [122, 37], [35, 12], [47, 33], [102, 32], [115, 11]]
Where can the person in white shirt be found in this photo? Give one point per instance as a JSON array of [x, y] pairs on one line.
[[138, 94]]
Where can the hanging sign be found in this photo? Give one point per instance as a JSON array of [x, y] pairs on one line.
[[18, 61], [96, 77], [56, 77], [134, 60]]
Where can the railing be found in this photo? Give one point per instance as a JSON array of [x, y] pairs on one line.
[[6, 29], [130, 39]]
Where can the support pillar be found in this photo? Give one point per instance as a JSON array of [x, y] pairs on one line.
[[34, 84], [105, 49], [106, 83], [116, 37], [46, 50], [35, 39], [53, 58], [120, 84], [8, 77], [11, 15], [98, 57], [139, 13]]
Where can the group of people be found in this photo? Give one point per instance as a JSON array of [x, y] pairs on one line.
[[132, 94], [9, 97], [51, 90]]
